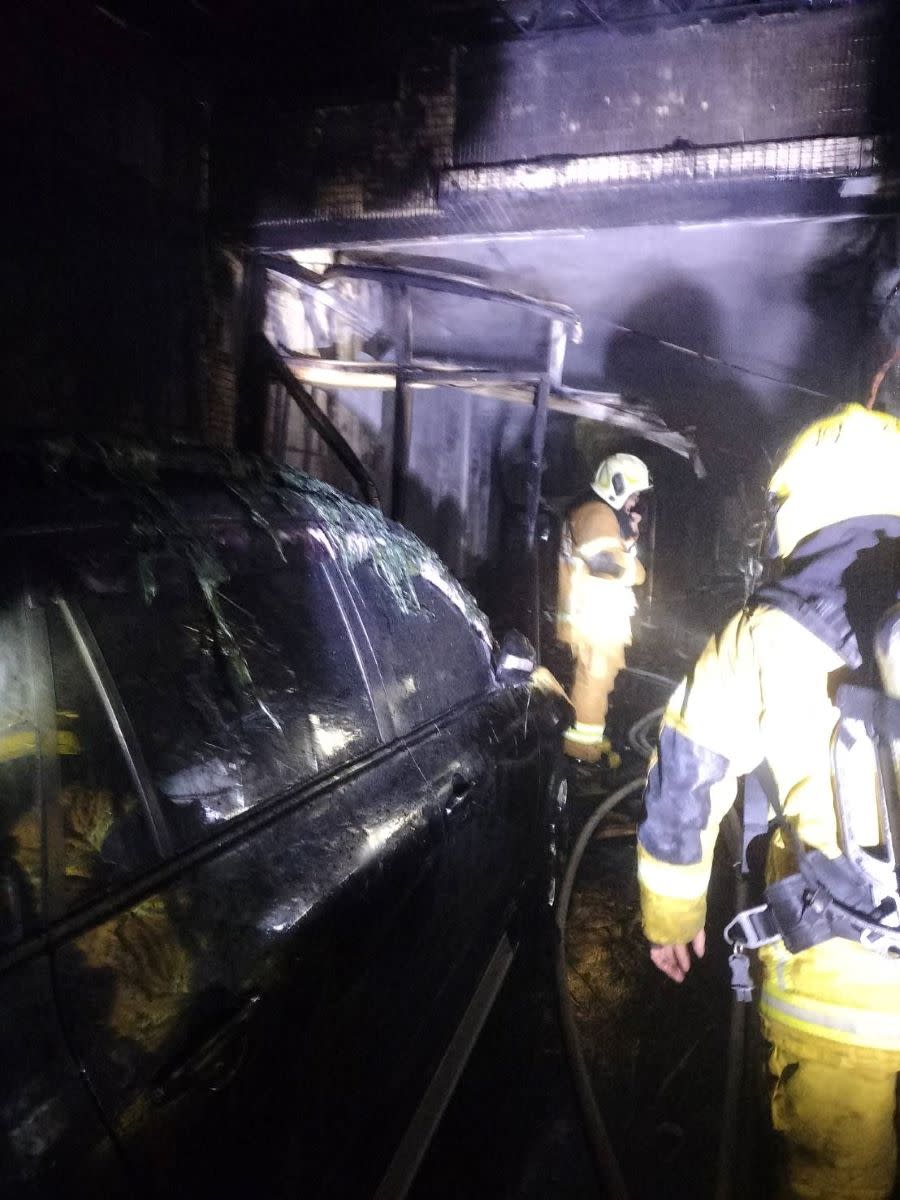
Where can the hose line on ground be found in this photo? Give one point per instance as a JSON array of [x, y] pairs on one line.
[[604, 1156], [607, 1165], [610, 1173]]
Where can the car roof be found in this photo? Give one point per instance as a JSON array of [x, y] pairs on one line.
[[64, 483], [61, 487]]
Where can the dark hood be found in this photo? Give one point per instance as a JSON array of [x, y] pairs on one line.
[[839, 581]]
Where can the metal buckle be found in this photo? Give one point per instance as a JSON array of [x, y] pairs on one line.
[[741, 983], [744, 932]]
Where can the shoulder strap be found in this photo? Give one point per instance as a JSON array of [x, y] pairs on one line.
[[764, 787], [756, 814]]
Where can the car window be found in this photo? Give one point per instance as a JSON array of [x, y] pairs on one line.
[[324, 696], [107, 838], [430, 655], [235, 696], [20, 816]]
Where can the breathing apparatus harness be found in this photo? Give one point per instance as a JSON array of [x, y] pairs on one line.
[[833, 496], [855, 896]]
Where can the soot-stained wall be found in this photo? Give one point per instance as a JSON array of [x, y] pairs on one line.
[[738, 332]]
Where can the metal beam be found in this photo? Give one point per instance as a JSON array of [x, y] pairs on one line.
[[458, 285], [515, 387], [794, 159], [403, 340], [601, 206], [333, 438]]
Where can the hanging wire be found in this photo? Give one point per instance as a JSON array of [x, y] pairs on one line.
[[702, 356]]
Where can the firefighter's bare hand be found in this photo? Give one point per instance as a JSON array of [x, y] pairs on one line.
[[675, 960]]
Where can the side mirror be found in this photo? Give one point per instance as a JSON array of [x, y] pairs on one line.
[[11, 922], [516, 659]]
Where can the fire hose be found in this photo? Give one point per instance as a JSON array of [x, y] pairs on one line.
[[609, 1171], [607, 1165]]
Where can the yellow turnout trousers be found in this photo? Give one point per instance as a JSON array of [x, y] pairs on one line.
[[835, 1107], [597, 663], [832, 1016]]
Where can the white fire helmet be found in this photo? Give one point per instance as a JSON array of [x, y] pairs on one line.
[[621, 476]]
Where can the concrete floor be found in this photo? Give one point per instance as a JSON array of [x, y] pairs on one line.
[[656, 1051], [513, 1130]]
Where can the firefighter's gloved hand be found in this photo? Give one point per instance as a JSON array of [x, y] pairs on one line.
[[675, 960]]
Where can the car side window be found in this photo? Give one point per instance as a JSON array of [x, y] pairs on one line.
[[324, 698], [20, 814], [234, 698], [431, 656], [106, 836]]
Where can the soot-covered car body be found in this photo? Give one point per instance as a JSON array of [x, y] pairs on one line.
[[270, 819]]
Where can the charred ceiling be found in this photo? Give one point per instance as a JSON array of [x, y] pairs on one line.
[[344, 113], [135, 130], [268, 40], [774, 114]]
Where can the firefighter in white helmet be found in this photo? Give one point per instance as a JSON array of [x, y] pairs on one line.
[[598, 572], [765, 696]]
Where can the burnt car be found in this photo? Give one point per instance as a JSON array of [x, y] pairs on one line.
[[276, 814]]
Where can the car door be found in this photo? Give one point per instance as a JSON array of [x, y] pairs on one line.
[[266, 1004], [474, 742], [50, 1129]]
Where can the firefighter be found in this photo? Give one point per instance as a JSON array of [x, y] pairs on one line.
[[598, 571], [762, 693]]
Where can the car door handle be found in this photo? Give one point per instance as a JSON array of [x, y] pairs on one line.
[[460, 787], [213, 1064]]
